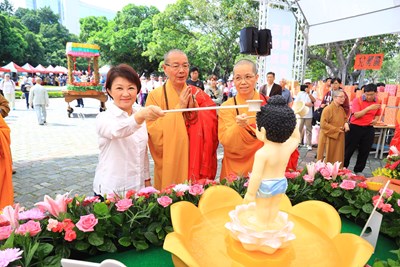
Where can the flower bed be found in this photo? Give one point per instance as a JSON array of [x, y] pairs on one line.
[[49, 232], [81, 88]]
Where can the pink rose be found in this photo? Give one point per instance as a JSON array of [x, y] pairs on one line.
[[308, 178], [387, 194], [347, 184], [70, 235], [5, 232], [387, 208], [31, 227], [326, 173], [51, 224], [124, 204], [180, 193], [86, 223], [362, 185], [334, 185], [196, 189], [164, 201], [291, 175]]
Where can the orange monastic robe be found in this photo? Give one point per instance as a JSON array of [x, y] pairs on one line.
[[182, 151], [6, 186], [239, 145]]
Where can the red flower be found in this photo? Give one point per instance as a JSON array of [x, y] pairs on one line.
[[394, 165], [68, 224], [362, 184], [70, 235], [130, 193]]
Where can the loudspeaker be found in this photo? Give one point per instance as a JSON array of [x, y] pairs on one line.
[[264, 43], [248, 40], [255, 42]]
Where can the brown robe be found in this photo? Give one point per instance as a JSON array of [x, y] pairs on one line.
[[6, 186], [331, 137]]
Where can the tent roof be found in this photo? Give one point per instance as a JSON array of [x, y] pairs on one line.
[[332, 21], [41, 69], [4, 70], [14, 67], [29, 67]]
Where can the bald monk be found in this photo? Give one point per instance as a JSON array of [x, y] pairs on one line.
[[234, 132], [6, 186], [182, 144]]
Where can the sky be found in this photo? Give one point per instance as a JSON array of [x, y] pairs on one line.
[[116, 4]]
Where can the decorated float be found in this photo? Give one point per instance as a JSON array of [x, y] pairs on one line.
[[89, 89]]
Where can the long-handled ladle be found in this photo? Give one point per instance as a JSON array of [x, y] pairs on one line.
[[252, 105]]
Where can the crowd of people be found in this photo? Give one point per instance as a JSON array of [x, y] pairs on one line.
[[184, 144]]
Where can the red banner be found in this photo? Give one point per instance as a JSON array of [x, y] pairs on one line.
[[368, 62]]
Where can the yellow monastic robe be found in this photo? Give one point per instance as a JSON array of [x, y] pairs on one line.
[[331, 138], [239, 145], [6, 186], [178, 158]]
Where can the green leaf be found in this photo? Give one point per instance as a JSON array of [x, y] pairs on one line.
[[367, 208], [118, 218], [108, 246], [44, 249], [140, 245], [336, 193], [52, 261], [95, 239], [101, 209], [151, 237], [125, 241], [355, 212], [81, 246], [153, 226], [346, 209]]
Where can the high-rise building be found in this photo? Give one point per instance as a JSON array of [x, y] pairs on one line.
[[70, 11]]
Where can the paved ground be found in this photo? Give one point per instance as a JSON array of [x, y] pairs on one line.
[[62, 155]]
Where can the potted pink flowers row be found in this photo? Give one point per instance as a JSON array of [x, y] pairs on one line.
[[65, 227]]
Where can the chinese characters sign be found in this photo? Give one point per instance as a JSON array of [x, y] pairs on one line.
[[368, 62]]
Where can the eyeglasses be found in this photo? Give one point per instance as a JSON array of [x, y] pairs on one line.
[[175, 67], [246, 78]]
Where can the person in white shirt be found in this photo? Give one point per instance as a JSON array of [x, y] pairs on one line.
[[123, 159], [308, 99], [39, 100], [7, 86]]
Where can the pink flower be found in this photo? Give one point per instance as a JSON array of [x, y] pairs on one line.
[[31, 227], [326, 173], [375, 201], [70, 235], [86, 223], [124, 204], [164, 201], [246, 184], [232, 177], [308, 178], [196, 189], [68, 224], [54, 206], [387, 194], [347, 184], [5, 232], [51, 224], [149, 190], [9, 255], [333, 169], [291, 175], [319, 165], [362, 185], [398, 202], [334, 185], [11, 215], [387, 208], [112, 197], [33, 214], [89, 200], [180, 193], [311, 169]]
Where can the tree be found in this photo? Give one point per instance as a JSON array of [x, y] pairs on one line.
[[338, 57], [12, 42], [89, 26], [6, 7]]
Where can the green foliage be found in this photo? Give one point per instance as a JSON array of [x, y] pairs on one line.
[[6, 7], [389, 262]]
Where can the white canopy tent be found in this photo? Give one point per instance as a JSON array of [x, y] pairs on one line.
[[327, 21], [332, 21]]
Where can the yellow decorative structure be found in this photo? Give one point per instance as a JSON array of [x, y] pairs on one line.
[[201, 239]]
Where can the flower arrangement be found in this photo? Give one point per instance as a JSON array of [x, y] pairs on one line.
[[57, 228], [392, 166]]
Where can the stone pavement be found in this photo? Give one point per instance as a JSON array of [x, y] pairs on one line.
[[62, 156]]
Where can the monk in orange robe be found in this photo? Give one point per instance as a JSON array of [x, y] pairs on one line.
[[182, 144], [6, 186]]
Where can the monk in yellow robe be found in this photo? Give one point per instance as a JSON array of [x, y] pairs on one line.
[[6, 186], [332, 132], [234, 127], [182, 144]]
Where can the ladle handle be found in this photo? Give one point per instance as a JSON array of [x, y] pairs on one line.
[[205, 108]]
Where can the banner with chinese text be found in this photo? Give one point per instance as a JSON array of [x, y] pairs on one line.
[[368, 62]]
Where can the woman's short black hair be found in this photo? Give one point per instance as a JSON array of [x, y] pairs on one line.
[[124, 71], [277, 118]]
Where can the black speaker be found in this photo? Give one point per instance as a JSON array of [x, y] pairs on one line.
[[264, 43], [248, 40]]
